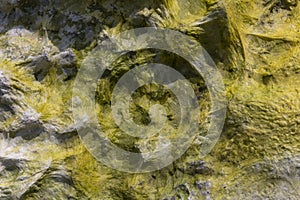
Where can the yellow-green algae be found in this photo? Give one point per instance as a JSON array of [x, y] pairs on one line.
[[262, 128]]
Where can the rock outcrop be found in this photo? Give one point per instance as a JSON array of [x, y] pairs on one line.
[[256, 48]]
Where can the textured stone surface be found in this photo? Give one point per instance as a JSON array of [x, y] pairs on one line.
[[256, 46]]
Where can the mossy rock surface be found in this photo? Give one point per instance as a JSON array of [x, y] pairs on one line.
[[256, 48]]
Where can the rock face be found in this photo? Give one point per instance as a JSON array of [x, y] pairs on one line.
[[256, 47]]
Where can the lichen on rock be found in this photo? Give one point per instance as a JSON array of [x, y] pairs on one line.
[[256, 47]]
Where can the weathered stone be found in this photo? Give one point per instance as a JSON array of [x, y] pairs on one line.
[[65, 64], [255, 46]]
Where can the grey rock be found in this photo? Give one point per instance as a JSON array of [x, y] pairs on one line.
[[65, 64], [11, 164], [6, 102], [198, 167], [27, 126], [204, 187], [40, 65]]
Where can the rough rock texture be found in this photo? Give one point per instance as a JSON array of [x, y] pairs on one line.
[[256, 46]]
